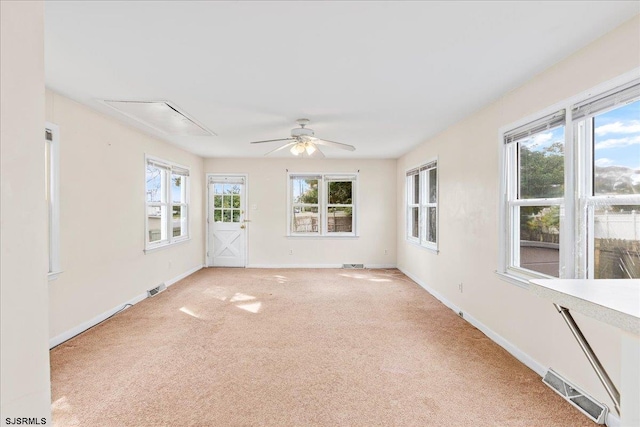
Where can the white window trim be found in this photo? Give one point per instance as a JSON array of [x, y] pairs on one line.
[[323, 204], [421, 240], [170, 241], [54, 205], [569, 267]]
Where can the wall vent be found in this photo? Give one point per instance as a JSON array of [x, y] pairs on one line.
[[155, 291], [352, 265], [583, 402]]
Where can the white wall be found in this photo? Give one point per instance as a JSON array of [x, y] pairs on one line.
[[469, 192], [24, 356], [102, 193], [268, 245]]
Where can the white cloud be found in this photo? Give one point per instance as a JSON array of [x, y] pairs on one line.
[[632, 126], [539, 139], [618, 142], [604, 162]]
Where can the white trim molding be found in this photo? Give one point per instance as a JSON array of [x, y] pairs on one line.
[[523, 357], [611, 421], [334, 266], [67, 335], [54, 199]]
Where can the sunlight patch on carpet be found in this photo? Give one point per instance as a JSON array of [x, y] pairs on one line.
[[241, 297], [64, 411], [217, 293], [251, 308], [185, 310]]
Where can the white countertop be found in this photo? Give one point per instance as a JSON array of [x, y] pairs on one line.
[[616, 302]]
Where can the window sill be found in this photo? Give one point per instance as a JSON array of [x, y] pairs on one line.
[[435, 250], [54, 275], [166, 245], [520, 281]]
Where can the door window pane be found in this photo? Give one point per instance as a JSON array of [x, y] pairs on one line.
[[541, 165], [236, 215], [540, 238], [616, 151]]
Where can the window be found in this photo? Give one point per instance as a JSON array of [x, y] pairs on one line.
[[607, 134], [535, 193], [167, 203], [322, 204], [572, 191], [52, 196], [226, 200], [422, 205]]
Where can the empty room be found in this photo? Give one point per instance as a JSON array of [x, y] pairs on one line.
[[322, 213]]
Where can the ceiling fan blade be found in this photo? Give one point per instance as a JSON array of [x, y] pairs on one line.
[[324, 142], [318, 153], [282, 147], [272, 140]]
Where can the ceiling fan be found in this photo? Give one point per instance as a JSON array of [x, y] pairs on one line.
[[303, 141]]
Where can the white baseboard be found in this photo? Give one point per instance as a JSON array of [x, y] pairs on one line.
[[67, 335], [183, 275], [316, 266], [380, 266], [612, 419], [498, 339]]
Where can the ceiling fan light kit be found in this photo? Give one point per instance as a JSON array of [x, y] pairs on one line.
[[303, 140]]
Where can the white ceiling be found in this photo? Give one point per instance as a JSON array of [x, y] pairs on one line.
[[382, 76]]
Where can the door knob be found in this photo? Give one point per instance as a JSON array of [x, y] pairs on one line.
[[243, 226]]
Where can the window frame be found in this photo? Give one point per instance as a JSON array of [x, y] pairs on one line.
[[576, 225], [323, 204], [168, 203], [53, 199], [423, 204], [588, 201]]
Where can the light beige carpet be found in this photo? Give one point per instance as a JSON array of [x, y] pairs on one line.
[[250, 347]]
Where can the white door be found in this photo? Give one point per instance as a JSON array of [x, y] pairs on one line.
[[227, 227]]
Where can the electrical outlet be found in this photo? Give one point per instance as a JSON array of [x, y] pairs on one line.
[[386, 252], [290, 251], [460, 287]]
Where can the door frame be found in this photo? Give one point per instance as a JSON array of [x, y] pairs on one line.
[[244, 199]]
